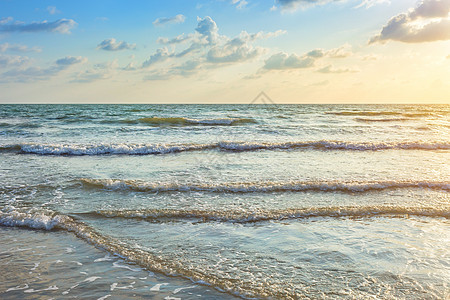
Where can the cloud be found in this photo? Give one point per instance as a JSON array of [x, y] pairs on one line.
[[17, 48], [33, 73], [329, 69], [99, 71], [295, 4], [207, 50], [113, 45], [59, 26], [52, 10], [427, 22], [176, 40], [284, 61], [340, 52], [13, 60], [162, 54], [369, 3], [208, 28], [240, 4], [70, 60], [292, 5], [173, 20], [5, 20]]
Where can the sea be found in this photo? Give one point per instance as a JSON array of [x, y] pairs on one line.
[[217, 201]]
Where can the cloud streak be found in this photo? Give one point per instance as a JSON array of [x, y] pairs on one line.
[[428, 22], [17, 48], [59, 26], [113, 45], [33, 73], [292, 5], [172, 20]]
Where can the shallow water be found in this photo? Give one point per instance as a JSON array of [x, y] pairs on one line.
[[270, 201]]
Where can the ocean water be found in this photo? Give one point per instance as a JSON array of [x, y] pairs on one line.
[[225, 201]]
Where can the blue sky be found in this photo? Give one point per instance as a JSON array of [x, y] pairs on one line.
[[314, 51]]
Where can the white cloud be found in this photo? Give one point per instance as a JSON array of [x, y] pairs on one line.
[[208, 29], [162, 54], [13, 60], [21, 74], [113, 45], [59, 26], [207, 50], [293, 5], [176, 40], [5, 20], [97, 72], [330, 69], [17, 48], [71, 60], [240, 4], [172, 20], [428, 22], [340, 52], [284, 61], [369, 3], [53, 10]]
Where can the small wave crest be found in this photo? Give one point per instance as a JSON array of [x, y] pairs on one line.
[[260, 187], [383, 113], [149, 149], [161, 215], [37, 220], [180, 121], [369, 120], [103, 149]]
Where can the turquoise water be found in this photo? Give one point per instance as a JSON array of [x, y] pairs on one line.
[[255, 201]]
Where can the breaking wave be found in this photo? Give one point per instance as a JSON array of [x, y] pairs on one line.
[[149, 149], [161, 215], [260, 187]]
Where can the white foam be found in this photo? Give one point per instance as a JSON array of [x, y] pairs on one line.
[[262, 187], [157, 287], [176, 291], [106, 258], [18, 288], [115, 286], [50, 288], [149, 149], [103, 149], [117, 265], [38, 220]]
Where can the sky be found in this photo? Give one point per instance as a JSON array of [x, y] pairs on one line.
[[225, 51]]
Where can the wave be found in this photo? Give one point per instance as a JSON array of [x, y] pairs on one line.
[[101, 149], [48, 220], [156, 262], [364, 113], [162, 215], [367, 120], [149, 149], [383, 113], [28, 125], [260, 187], [180, 121]]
